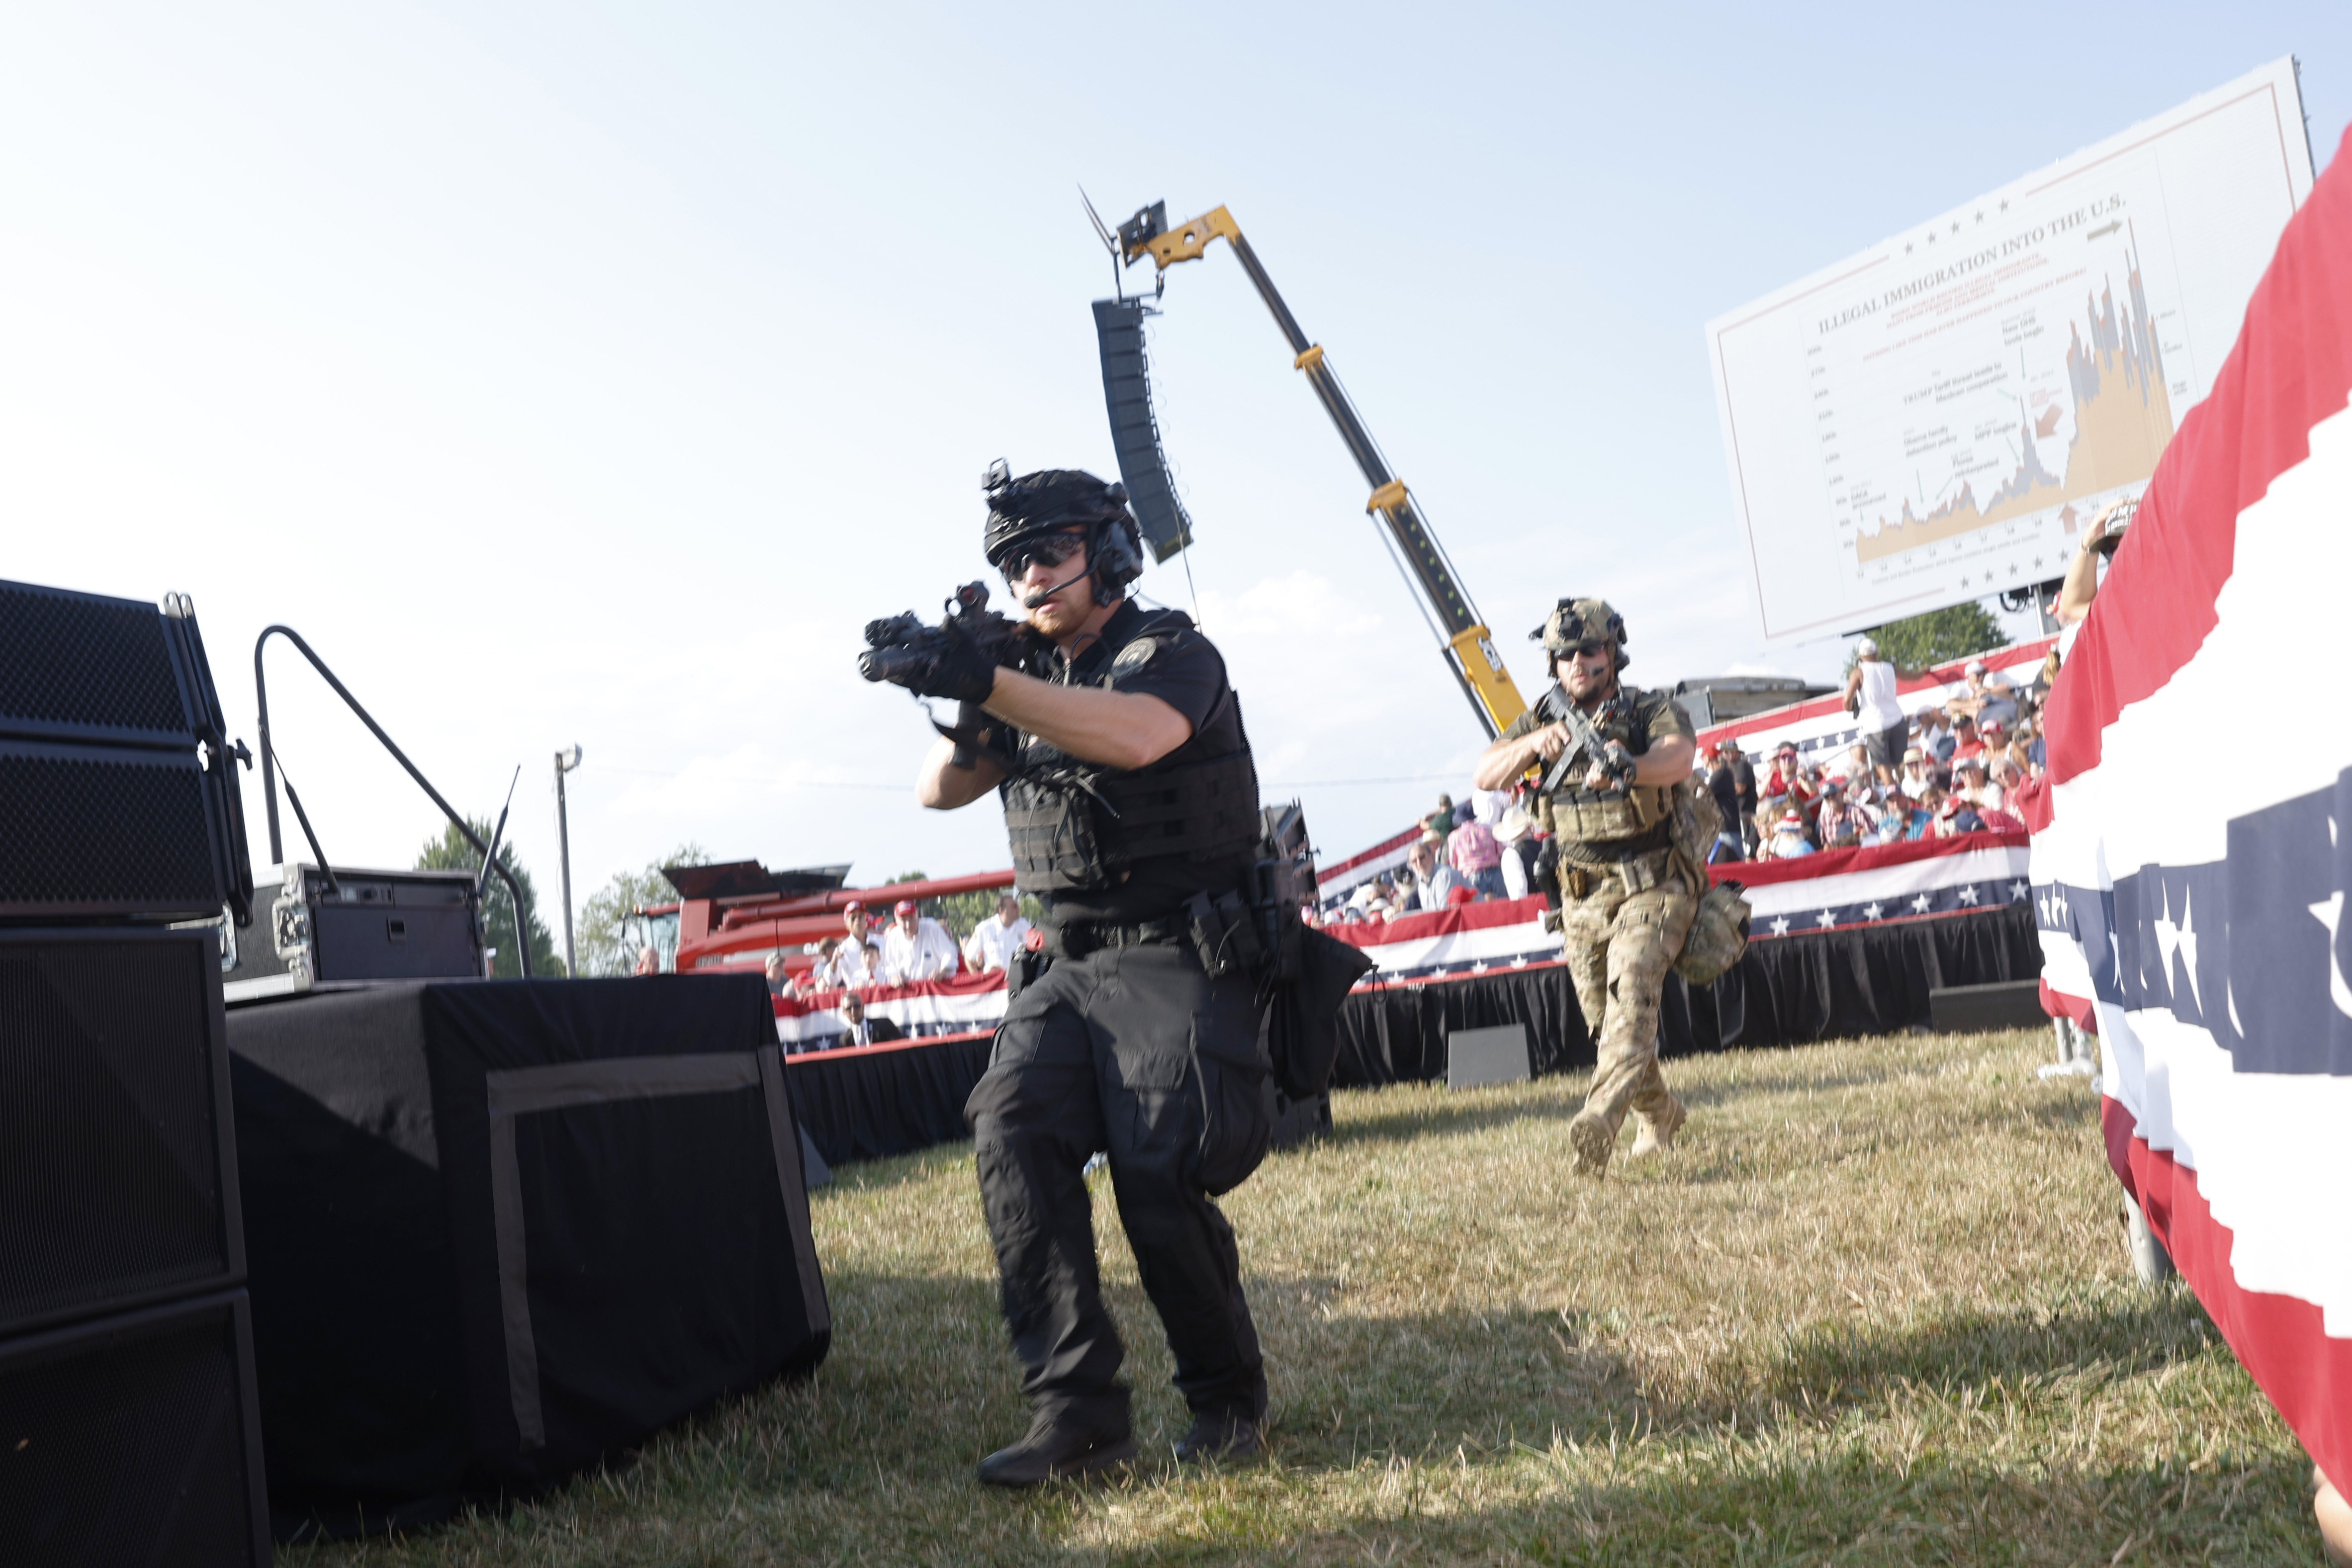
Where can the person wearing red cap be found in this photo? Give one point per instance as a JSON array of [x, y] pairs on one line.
[[855, 961], [916, 948]]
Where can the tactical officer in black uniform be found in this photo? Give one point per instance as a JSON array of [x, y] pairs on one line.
[[1127, 788]]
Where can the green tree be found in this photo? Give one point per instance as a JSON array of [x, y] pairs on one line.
[[450, 851], [600, 941], [1955, 631]]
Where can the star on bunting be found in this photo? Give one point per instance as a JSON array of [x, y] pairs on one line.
[[2016, 892], [1780, 926], [1872, 910], [1829, 920], [1921, 902], [1968, 896]]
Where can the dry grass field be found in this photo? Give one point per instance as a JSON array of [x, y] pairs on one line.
[[1875, 1308]]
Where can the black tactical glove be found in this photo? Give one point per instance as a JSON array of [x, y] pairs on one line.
[[949, 667], [1618, 764]]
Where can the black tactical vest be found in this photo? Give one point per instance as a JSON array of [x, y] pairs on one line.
[[1078, 826]]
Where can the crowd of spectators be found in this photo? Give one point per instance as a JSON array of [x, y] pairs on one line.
[[1957, 765], [1948, 770], [1484, 848]]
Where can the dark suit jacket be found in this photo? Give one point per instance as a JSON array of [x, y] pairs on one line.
[[877, 1030]]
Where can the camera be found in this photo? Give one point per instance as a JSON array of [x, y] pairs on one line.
[[2115, 527]]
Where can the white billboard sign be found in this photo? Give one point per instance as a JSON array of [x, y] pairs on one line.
[[1933, 420]]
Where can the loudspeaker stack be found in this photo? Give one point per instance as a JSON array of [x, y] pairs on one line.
[[127, 1427]]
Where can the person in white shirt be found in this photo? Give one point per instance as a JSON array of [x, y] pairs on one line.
[[1870, 688], [916, 948], [855, 964], [995, 939]]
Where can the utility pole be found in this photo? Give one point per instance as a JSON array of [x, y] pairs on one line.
[[565, 762]]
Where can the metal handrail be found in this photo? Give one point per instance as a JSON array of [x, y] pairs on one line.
[[270, 775]]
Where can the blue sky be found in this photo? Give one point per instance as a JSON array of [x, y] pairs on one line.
[[591, 372]]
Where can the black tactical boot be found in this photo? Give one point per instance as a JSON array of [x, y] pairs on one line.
[[1059, 1444], [1232, 1436]]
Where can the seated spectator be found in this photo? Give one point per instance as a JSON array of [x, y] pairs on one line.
[[2026, 749], [1433, 879], [1891, 821], [1966, 743], [916, 948], [1788, 840], [1441, 821], [1956, 817], [857, 1029], [648, 962], [1835, 819], [820, 974], [780, 978], [1913, 781], [995, 939], [1990, 698], [1920, 823], [1937, 738], [1476, 857]]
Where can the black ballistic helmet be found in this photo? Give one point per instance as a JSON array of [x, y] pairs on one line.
[[1053, 499]]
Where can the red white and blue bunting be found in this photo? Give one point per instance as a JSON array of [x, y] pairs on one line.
[[2189, 891]]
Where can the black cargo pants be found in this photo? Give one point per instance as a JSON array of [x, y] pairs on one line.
[[1135, 1051]]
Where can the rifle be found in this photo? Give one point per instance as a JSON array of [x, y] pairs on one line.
[[1585, 749], [899, 643]]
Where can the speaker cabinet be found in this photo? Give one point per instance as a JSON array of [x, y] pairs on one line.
[[133, 1439], [117, 792], [117, 1155]]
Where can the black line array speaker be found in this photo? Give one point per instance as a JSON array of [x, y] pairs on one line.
[[1134, 432], [117, 791]]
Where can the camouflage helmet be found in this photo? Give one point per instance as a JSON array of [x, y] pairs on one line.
[[1579, 621]]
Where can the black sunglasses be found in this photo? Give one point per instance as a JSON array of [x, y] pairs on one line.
[[1048, 550], [1586, 650]]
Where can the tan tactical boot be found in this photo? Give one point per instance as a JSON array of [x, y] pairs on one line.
[[1590, 1136], [1657, 1137]]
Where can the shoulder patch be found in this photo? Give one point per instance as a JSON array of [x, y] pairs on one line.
[[1135, 655]]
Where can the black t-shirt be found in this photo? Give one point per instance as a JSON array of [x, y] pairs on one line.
[[1726, 790], [1156, 654], [1743, 778]]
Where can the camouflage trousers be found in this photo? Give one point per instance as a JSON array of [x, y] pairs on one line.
[[1619, 944]]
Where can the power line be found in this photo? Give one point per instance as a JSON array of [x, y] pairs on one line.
[[908, 783]]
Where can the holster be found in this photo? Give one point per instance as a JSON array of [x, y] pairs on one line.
[[1225, 935], [1024, 969]]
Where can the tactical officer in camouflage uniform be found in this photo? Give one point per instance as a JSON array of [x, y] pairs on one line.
[[1626, 894], [1128, 787]]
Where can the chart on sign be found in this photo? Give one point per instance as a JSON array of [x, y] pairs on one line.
[[1986, 419], [1937, 419]]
